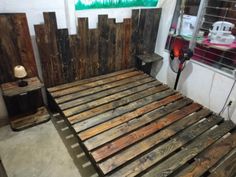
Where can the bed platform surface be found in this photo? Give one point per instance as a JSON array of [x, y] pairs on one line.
[[130, 124]]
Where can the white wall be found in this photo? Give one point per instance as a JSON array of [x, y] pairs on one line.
[[203, 84]]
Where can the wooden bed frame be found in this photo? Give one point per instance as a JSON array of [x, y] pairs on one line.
[[130, 124]]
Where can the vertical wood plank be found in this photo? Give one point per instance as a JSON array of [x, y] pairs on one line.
[[15, 46], [134, 39], [119, 46], [103, 43], [93, 52], [65, 55], [83, 48], [126, 59], [111, 45]]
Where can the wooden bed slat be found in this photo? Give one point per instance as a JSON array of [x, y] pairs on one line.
[[110, 98], [210, 157], [125, 128], [141, 133], [106, 107], [161, 152], [179, 159], [228, 168], [148, 143], [124, 109], [124, 118], [129, 124], [99, 92], [68, 91], [85, 81]]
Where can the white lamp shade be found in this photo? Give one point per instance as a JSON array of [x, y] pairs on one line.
[[20, 72]]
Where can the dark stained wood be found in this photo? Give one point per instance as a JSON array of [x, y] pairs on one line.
[[103, 43], [134, 126], [126, 127], [150, 58], [80, 87], [75, 95], [134, 38], [126, 51], [148, 30], [141, 133], [102, 91], [65, 55], [124, 118], [205, 140], [155, 139], [166, 149], [109, 106], [111, 45], [85, 81], [210, 157], [15, 46], [122, 110], [93, 52], [119, 46], [85, 68], [228, 168]]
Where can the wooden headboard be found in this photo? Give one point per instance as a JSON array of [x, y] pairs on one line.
[[91, 52]]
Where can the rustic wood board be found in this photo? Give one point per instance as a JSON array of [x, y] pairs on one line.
[[15, 46], [129, 124]]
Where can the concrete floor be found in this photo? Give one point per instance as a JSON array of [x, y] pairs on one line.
[[47, 150]]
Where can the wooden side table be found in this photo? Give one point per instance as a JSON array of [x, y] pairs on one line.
[[25, 104], [145, 61]]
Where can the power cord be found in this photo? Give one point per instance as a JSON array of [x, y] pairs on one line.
[[230, 103]]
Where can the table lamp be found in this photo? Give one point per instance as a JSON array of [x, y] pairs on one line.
[[20, 73]]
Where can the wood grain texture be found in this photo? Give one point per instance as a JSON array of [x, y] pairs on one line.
[[210, 157], [141, 133], [127, 127], [148, 143], [126, 117], [15, 46], [205, 140], [164, 150], [121, 110], [227, 168]]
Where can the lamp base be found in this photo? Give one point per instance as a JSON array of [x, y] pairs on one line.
[[22, 83]]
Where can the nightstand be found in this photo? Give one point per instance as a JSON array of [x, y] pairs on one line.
[[25, 104]]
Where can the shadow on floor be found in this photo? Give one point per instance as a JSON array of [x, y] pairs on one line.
[[70, 141], [2, 170]]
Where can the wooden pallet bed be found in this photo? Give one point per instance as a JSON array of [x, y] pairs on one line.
[[130, 124]]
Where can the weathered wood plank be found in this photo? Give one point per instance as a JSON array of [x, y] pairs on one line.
[[16, 47], [162, 151], [123, 142], [228, 168], [119, 46], [105, 90], [126, 127], [155, 139], [83, 48], [210, 157], [134, 39], [126, 53], [111, 45], [103, 42], [75, 62], [65, 55], [110, 98], [55, 68], [124, 118], [85, 81], [190, 151], [106, 107], [122, 110], [78, 88], [93, 52]]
